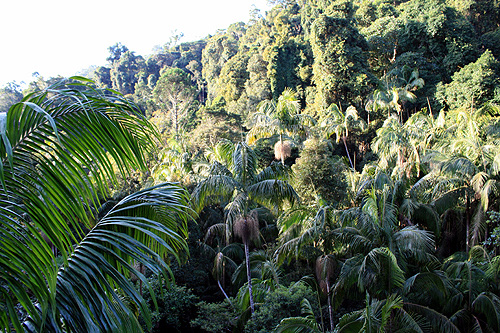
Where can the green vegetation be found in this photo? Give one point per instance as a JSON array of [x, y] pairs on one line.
[[377, 211]]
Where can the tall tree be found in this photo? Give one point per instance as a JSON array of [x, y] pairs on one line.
[[239, 187], [57, 149], [174, 93], [335, 121], [340, 68], [247, 227], [9, 95], [115, 52], [281, 118], [124, 72]]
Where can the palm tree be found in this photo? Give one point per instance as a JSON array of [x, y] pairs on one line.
[[402, 146], [381, 248], [304, 227], [239, 187], [464, 169], [397, 88], [174, 163], [262, 276], [281, 118], [387, 315], [326, 271], [221, 263], [247, 227], [57, 148], [334, 121], [472, 305]]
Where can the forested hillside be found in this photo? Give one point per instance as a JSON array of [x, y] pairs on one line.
[[342, 160]]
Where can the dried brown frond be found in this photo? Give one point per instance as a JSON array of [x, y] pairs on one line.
[[326, 268], [247, 227], [282, 150]]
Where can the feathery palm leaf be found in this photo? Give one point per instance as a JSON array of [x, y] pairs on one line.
[[305, 324], [57, 153], [436, 319]]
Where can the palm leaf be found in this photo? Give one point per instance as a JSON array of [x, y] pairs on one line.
[[274, 171], [244, 162], [272, 192], [489, 305], [307, 323], [58, 152], [428, 284], [437, 320], [414, 242], [213, 189], [351, 322], [107, 250], [298, 325]]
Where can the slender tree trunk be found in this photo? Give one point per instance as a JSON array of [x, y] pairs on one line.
[[330, 310], [347, 151], [467, 222], [320, 310], [225, 295], [281, 147], [249, 277]]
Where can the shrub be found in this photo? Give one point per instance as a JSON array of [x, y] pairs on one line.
[[176, 307], [281, 303], [215, 317]]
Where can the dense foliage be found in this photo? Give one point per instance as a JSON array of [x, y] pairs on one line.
[[377, 210]]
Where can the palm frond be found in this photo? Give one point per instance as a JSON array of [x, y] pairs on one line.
[[350, 322], [272, 192], [488, 304], [244, 163], [437, 320], [218, 230], [236, 209], [58, 151], [261, 130], [212, 190], [380, 269], [306, 323], [428, 284], [354, 239], [101, 262], [478, 226], [459, 165], [274, 171], [414, 242]]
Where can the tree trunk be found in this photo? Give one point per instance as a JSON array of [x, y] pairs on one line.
[[249, 277], [175, 117], [282, 155], [225, 295], [467, 222], [330, 310], [344, 138]]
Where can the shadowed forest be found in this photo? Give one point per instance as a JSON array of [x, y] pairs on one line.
[[328, 166]]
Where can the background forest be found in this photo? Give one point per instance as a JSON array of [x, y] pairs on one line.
[[343, 160]]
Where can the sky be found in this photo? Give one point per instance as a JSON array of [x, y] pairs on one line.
[[63, 37]]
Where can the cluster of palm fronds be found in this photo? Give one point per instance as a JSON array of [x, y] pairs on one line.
[[58, 149]]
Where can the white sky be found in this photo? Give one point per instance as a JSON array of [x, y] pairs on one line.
[[62, 37]]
